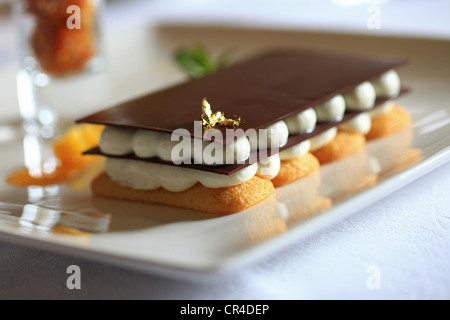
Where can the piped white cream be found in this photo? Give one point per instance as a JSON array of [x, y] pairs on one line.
[[296, 151], [135, 174], [387, 85], [213, 180], [322, 139], [381, 109], [302, 122], [142, 175], [269, 167], [176, 179], [361, 123], [360, 98], [145, 143], [331, 110], [165, 146], [116, 141], [214, 153], [274, 136]]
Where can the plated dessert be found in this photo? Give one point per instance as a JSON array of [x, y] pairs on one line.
[[278, 117]]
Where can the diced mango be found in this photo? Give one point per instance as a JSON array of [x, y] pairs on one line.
[[73, 165], [70, 147]]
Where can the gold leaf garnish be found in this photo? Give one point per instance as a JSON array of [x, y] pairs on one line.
[[210, 119]]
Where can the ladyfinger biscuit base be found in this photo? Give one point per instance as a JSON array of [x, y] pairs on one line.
[[219, 201], [294, 169], [390, 122], [344, 144]]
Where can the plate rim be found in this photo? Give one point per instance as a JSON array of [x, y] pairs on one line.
[[225, 267]]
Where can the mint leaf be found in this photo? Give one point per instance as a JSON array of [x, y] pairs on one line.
[[198, 62]]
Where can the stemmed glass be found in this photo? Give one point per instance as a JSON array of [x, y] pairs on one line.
[[60, 48], [59, 40]]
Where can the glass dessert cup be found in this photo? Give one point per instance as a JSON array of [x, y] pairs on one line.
[[59, 41], [60, 54]]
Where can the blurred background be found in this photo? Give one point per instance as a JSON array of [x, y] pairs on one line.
[[127, 39]]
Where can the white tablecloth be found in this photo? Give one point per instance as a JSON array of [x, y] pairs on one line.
[[404, 239]]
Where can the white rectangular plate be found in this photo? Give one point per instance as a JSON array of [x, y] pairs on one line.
[[180, 243]]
